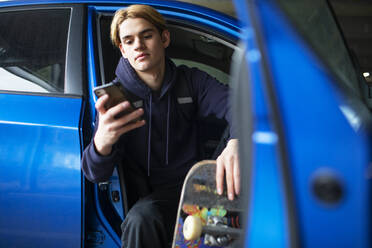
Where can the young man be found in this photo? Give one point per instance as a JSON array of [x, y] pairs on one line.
[[158, 142]]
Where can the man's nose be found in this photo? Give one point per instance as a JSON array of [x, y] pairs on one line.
[[138, 43]]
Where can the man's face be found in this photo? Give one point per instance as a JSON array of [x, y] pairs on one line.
[[142, 44]]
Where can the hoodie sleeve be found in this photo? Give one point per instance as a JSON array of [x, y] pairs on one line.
[[212, 97], [97, 168]]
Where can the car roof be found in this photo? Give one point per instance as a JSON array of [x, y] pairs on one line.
[[222, 6], [224, 9]]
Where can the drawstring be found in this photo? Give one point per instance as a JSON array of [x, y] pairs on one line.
[[149, 140], [166, 152]]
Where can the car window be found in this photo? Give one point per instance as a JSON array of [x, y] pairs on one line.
[[218, 74], [201, 49], [33, 50]]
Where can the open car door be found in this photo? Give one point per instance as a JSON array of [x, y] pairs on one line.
[[310, 140]]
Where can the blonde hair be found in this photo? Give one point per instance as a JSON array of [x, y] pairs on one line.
[[135, 11]]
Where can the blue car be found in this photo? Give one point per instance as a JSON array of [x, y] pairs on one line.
[[299, 97]]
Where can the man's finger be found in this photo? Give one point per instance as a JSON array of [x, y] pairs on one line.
[[124, 120], [117, 109], [237, 176], [131, 126], [230, 181], [100, 104], [219, 176]]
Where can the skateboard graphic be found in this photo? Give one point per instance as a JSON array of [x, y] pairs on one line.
[[204, 218]]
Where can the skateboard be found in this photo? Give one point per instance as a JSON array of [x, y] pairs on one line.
[[206, 219]]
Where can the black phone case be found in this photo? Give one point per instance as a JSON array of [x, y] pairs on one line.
[[116, 95]]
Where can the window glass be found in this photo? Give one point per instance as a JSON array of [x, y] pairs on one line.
[[315, 21], [218, 74], [33, 50]]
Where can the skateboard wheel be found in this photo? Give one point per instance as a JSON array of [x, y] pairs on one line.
[[192, 228]]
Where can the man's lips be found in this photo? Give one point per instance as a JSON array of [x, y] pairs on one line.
[[141, 56]]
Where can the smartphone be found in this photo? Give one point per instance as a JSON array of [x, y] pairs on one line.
[[117, 94]]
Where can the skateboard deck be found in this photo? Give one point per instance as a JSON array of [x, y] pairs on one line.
[[211, 219]]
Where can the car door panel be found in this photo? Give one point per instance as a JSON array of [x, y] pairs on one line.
[[40, 188]]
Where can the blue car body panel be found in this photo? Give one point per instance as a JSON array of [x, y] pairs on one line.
[[40, 189]]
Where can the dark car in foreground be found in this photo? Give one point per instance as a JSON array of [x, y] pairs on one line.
[[299, 97]]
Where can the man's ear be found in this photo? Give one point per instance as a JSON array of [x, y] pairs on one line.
[[122, 50], [165, 38]]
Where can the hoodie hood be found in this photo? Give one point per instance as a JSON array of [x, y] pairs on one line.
[[131, 81]]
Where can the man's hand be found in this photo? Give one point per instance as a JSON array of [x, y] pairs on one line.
[[228, 164], [110, 128]]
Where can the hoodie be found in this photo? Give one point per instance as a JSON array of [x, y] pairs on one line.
[[166, 147]]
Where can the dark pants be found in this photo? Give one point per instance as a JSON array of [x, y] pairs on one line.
[[151, 220]]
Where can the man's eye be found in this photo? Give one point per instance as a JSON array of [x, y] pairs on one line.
[[128, 42], [149, 36]]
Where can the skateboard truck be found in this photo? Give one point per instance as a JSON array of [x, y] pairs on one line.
[[217, 232], [213, 239], [210, 240]]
